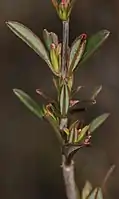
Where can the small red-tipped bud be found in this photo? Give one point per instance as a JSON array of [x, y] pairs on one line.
[[84, 36], [63, 2], [87, 141], [73, 102], [53, 46]]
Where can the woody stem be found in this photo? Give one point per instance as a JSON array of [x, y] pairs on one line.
[[68, 174]]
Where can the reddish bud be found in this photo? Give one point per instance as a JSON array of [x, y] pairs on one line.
[[84, 36], [73, 102], [87, 140], [53, 46], [63, 2]]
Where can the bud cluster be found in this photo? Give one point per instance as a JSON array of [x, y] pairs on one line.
[[63, 8]]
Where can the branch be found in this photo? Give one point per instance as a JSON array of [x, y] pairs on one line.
[[68, 174]]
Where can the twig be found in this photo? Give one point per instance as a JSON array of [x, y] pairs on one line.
[[68, 174], [108, 174], [65, 47]]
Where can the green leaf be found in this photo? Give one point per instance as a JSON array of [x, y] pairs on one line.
[[96, 194], [64, 100], [30, 103], [49, 38], [82, 133], [77, 50], [97, 122], [30, 39], [54, 60], [70, 82], [93, 43], [66, 130], [54, 38], [86, 190]]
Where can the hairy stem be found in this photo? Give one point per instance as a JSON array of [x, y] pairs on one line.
[[65, 44], [68, 174]]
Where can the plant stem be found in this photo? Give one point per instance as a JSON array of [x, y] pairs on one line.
[[68, 174], [65, 44], [67, 168]]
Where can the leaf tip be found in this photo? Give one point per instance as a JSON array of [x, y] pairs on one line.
[[106, 32], [8, 23], [16, 91], [107, 114]]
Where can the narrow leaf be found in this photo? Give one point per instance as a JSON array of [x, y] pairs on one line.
[[54, 38], [54, 60], [96, 92], [96, 194], [64, 100], [108, 174], [82, 133], [77, 51], [66, 130], [97, 122], [86, 190], [30, 39], [93, 43], [72, 150], [30, 103], [47, 39], [70, 82], [74, 125]]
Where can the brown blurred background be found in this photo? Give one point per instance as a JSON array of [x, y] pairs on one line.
[[29, 151]]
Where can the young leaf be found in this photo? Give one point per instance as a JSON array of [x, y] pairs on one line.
[[30, 103], [54, 38], [74, 125], [82, 133], [76, 90], [96, 194], [72, 150], [66, 130], [39, 91], [47, 39], [77, 51], [97, 122], [54, 59], [64, 100], [96, 92], [86, 190], [73, 102], [93, 43], [30, 39]]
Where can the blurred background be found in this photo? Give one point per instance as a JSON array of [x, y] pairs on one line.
[[30, 156]]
